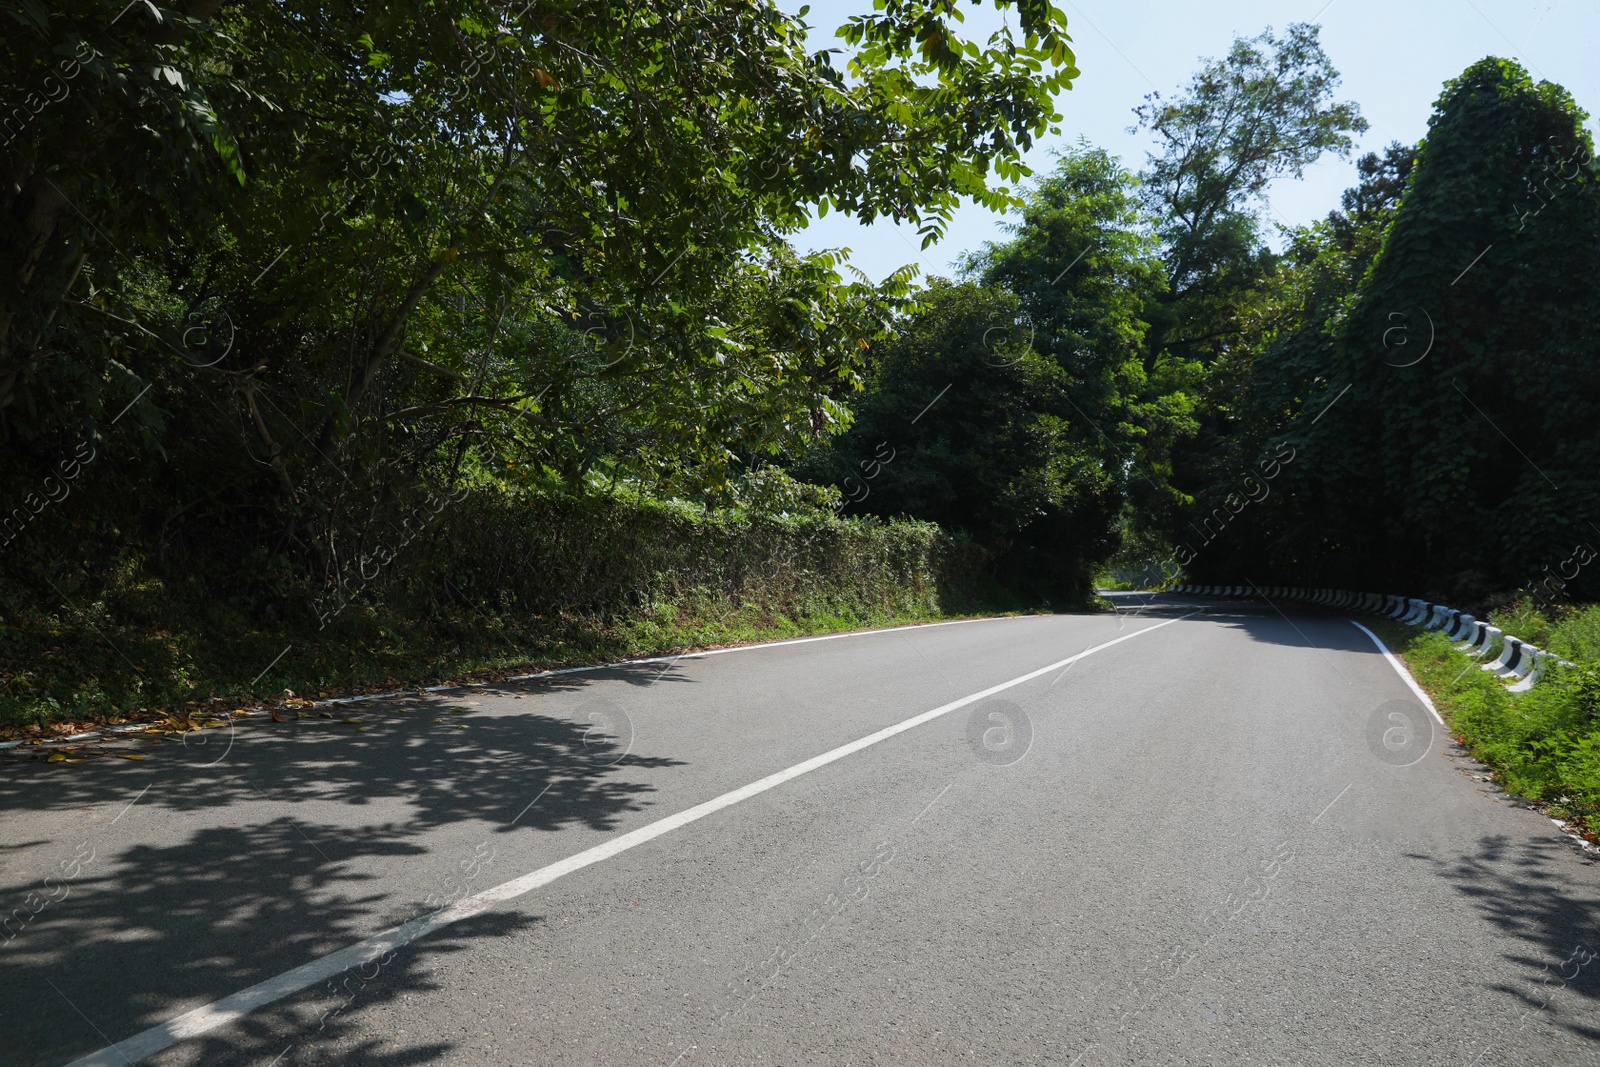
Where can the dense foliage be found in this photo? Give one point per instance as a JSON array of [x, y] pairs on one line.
[[968, 428], [1543, 744], [1441, 379], [1152, 297], [499, 583], [341, 258], [1088, 276], [287, 287], [1265, 110]]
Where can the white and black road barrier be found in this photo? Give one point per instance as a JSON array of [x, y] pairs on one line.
[[1514, 661]]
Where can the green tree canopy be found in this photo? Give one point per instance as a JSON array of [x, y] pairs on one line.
[[348, 245], [1266, 110], [1087, 275], [965, 424]]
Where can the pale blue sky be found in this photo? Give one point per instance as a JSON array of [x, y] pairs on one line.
[[1394, 55]]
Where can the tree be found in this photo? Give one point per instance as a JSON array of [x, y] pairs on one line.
[[1264, 111], [350, 246], [1366, 207], [1087, 276], [1255, 401], [966, 425]]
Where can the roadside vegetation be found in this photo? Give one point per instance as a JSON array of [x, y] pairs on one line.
[[1542, 744], [488, 592]]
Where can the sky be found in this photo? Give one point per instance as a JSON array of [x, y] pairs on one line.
[[1394, 55]]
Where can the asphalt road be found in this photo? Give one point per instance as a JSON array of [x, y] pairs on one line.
[[1229, 839]]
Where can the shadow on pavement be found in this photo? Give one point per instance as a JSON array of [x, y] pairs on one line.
[[153, 927], [1287, 623], [1524, 887]]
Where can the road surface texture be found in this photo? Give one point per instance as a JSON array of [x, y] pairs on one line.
[[1226, 835]]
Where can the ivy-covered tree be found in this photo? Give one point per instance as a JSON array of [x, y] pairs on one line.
[[1457, 453], [1314, 280]]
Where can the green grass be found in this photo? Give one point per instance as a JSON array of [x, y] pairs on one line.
[[1543, 744]]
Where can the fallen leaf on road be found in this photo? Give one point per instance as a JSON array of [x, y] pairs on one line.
[[130, 755]]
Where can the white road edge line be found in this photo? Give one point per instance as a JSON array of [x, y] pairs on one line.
[[698, 654], [219, 1013], [368, 698], [1400, 669], [768, 644]]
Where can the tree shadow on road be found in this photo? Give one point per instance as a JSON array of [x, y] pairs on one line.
[[447, 766], [155, 925], [1295, 626], [1529, 888]]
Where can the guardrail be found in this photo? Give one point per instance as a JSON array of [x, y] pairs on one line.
[[1514, 661]]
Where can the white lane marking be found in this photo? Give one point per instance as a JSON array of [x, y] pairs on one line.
[[219, 1013], [1400, 669]]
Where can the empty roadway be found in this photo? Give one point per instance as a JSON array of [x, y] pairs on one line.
[[1229, 839]]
